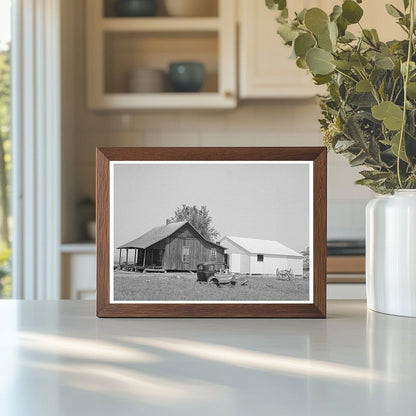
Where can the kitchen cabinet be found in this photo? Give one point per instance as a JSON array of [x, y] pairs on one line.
[[78, 271], [118, 45], [265, 70], [264, 66]]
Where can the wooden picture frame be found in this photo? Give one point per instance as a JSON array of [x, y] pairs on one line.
[[313, 307]]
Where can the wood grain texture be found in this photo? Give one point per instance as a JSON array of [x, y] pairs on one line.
[[103, 231], [319, 229], [317, 309], [346, 264], [345, 278]]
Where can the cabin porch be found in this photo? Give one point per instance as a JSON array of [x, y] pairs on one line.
[[138, 259]]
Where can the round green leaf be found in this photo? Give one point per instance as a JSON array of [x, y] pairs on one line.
[[347, 37], [328, 38], [384, 62], [276, 4], [287, 33], [303, 43], [344, 65], [319, 61], [324, 41], [322, 79], [301, 63], [316, 20], [411, 90], [342, 25], [394, 146], [333, 32], [336, 12], [301, 15], [351, 11], [391, 114], [358, 61], [363, 86]]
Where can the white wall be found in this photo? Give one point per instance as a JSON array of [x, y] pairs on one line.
[[245, 264], [238, 258], [234, 262]]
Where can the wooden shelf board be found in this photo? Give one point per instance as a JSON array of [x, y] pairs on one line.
[[80, 247], [345, 278], [160, 24], [163, 100], [346, 264]]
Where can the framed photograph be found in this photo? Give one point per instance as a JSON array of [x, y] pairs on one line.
[[211, 232]]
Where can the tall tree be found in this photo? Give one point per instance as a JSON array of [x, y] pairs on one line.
[[4, 142], [198, 217]]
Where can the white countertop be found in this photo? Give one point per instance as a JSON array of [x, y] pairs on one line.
[[57, 358]]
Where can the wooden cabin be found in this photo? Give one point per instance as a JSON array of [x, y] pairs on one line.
[[175, 246]]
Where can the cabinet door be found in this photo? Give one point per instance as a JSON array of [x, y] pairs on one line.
[[376, 17], [265, 68], [78, 276]]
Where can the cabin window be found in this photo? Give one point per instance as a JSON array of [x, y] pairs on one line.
[[213, 254], [260, 257], [185, 254]]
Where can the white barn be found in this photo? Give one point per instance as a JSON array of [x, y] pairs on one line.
[[253, 256]]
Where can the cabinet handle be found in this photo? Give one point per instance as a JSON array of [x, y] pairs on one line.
[[229, 94]]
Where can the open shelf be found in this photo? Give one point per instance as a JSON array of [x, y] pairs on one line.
[[210, 9], [167, 100], [127, 51], [119, 45], [80, 247]]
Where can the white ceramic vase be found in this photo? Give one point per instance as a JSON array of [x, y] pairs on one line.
[[391, 253]]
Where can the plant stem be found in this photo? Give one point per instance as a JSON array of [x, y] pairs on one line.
[[346, 75], [373, 88], [392, 91], [406, 80]]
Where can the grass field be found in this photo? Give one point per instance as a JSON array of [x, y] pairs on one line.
[[184, 287]]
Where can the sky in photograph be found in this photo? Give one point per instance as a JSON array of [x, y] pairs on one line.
[[256, 201]]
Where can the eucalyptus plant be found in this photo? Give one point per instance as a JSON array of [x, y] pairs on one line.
[[369, 111]]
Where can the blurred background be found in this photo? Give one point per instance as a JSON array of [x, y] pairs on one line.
[[146, 73]]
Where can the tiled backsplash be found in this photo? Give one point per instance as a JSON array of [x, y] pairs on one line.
[[288, 123]]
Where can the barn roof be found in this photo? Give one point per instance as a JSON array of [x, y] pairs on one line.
[[255, 246], [159, 233]]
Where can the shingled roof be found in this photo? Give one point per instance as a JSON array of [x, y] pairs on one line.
[[159, 233]]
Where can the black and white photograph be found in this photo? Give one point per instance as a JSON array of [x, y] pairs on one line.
[[220, 232]]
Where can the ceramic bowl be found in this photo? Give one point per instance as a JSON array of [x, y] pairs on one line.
[[186, 76], [147, 80], [191, 8], [135, 8]]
